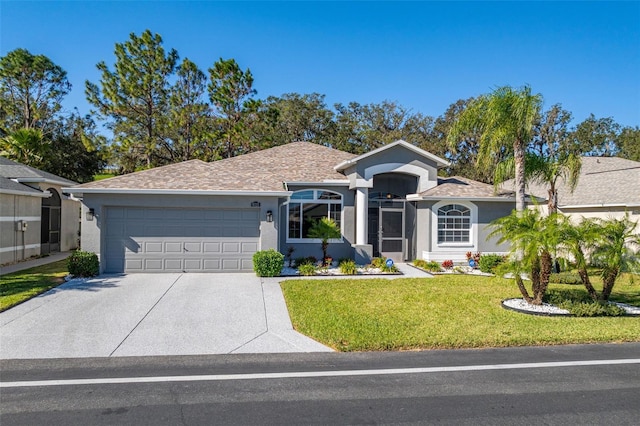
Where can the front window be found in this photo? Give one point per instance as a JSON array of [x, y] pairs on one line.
[[309, 206], [454, 224]]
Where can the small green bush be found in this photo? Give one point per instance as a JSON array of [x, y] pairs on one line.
[[580, 304], [348, 267], [379, 262], [307, 269], [268, 263], [489, 262], [565, 278], [299, 261], [431, 266], [420, 263], [83, 264]]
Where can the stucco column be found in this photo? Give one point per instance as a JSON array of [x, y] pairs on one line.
[[362, 207]]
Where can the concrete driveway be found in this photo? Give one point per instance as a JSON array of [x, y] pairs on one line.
[[153, 314]]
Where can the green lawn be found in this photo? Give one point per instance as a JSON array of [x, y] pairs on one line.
[[23, 285], [453, 311]]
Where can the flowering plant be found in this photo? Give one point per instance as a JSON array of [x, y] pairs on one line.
[[447, 264]]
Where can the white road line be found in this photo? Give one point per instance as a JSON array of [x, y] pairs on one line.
[[306, 374]]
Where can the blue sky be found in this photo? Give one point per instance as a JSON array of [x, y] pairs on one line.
[[424, 55]]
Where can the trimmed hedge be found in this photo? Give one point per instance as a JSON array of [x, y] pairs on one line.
[[83, 264], [489, 262], [268, 263]]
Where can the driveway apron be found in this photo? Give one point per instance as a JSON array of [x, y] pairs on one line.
[[153, 314]]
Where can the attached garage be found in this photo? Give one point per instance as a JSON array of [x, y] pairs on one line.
[[152, 239]]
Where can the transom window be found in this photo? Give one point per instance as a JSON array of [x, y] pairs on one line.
[[454, 224], [309, 206]]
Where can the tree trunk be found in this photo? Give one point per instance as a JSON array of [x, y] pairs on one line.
[[584, 276], [518, 154], [545, 272], [523, 289], [608, 281], [552, 204]]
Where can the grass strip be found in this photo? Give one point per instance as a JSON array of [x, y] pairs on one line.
[[20, 286], [449, 311]]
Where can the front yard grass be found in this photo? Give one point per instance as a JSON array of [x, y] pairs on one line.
[[23, 285], [449, 311]]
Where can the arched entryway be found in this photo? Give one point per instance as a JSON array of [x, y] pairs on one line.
[[389, 214], [50, 223]]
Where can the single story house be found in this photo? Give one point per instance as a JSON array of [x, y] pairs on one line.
[[608, 187], [197, 216], [36, 218]]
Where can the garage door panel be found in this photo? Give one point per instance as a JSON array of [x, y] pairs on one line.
[[174, 240]]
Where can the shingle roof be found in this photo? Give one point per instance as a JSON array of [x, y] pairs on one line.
[[261, 171], [460, 187], [14, 170], [9, 186], [603, 180]]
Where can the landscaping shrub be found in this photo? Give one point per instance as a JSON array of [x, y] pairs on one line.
[[348, 267], [268, 263], [83, 264], [581, 305], [431, 266], [378, 262], [565, 278], [447, 264], [307, 269], [299, 261], [489, 262]]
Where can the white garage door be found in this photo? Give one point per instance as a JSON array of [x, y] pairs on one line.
[[180, 240]]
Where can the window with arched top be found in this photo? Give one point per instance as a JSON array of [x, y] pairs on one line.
[[454, 224], [309, 205]]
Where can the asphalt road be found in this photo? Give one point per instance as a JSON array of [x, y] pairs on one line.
[[581, 384]]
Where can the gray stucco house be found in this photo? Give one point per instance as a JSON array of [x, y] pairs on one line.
[[36, 218], [196, 216]]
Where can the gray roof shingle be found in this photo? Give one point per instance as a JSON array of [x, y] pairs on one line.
[[460, 187], [261, 171], [13, 170], [603, 180]]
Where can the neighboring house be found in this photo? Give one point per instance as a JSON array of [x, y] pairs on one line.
[[35, 217], [608, 187], [197, 216]]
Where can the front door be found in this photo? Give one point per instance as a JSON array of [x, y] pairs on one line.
[[391, 233]]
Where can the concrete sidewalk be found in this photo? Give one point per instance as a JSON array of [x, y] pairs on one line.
[[31, 263], [153, 314]]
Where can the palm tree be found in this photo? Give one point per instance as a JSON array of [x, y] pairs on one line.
[[613, 250], [579, 240], [26, 146], [533, 238], [504, 119], [324, 229]]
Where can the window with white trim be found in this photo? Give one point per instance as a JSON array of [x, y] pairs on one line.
[[310, 205], [454, 224]]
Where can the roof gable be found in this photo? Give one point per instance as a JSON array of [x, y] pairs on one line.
[[440, 162]]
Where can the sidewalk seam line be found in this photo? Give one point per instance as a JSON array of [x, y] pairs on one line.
[[145, 315]]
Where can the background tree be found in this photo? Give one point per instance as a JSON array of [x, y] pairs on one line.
[[134, 98], [504, 118], [190, 119], [294, 117], [231, 94], [26, 146], [595, 136], [31, 89], [362, 128], [628, 141]]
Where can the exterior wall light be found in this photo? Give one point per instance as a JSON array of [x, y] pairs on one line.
[[269, 216], [90, 214]]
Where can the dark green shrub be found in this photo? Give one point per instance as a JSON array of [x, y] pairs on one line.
[[299, 261], [578, 303], [565, 278], [307, 269], [268, 263], [348, 267], [83, 264], [489, 262]]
